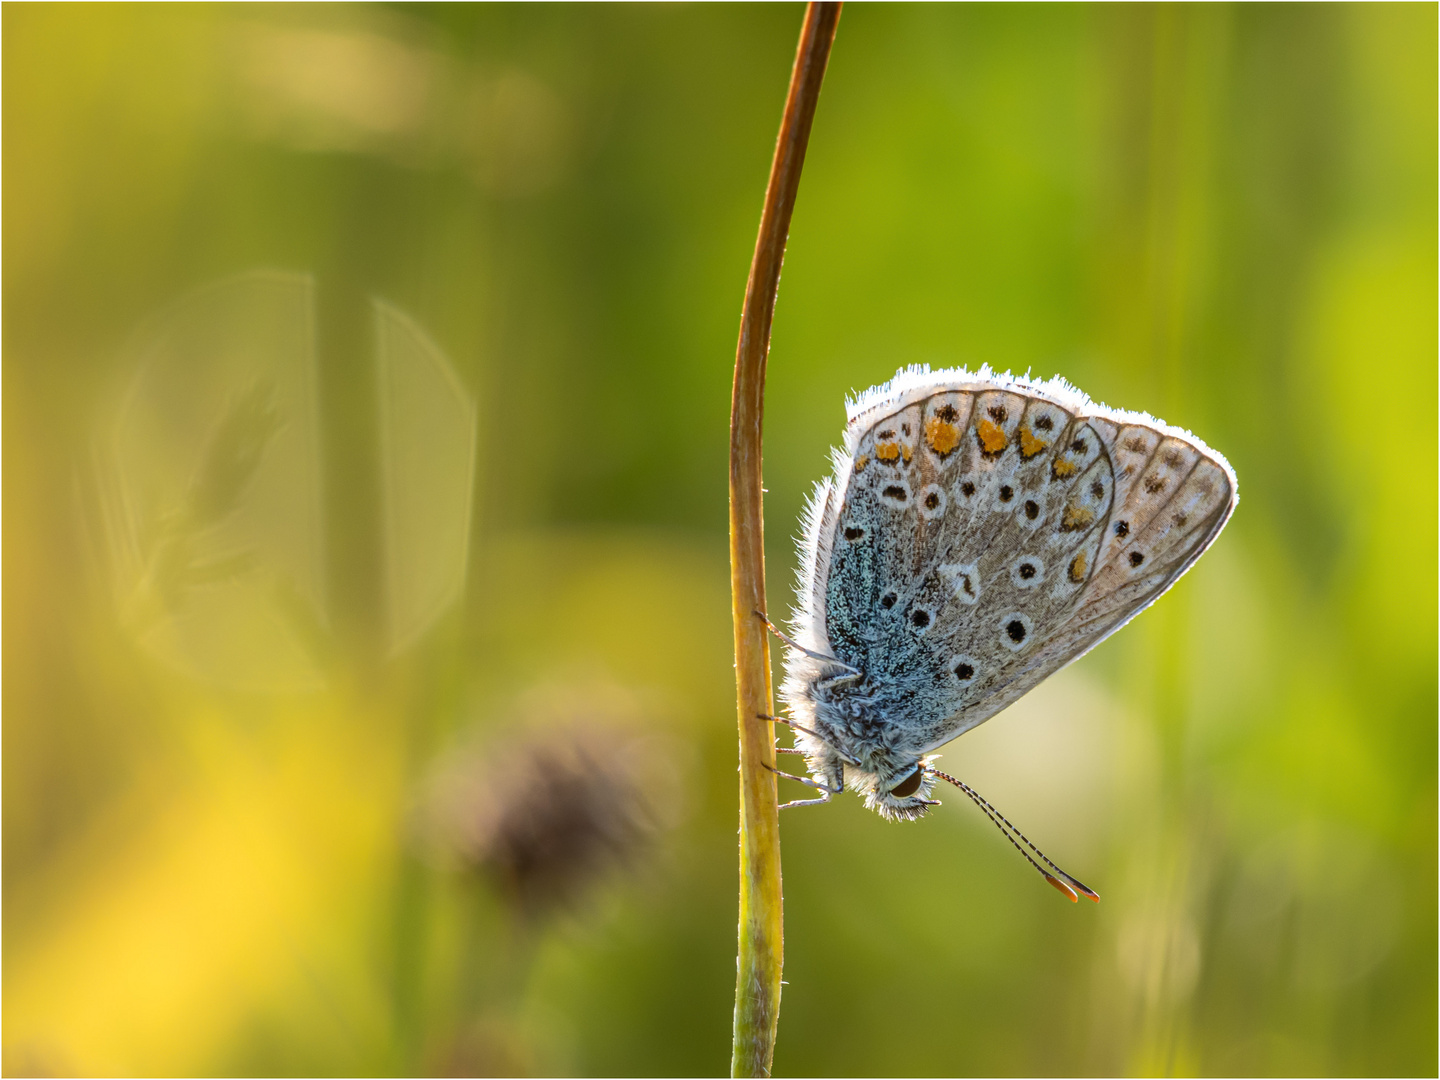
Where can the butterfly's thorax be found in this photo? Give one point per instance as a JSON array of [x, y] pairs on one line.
[[864, 720], [978, 534]]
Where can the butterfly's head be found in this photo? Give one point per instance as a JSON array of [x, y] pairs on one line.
[[902, 794]]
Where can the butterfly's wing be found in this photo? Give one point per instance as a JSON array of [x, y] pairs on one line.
[[1173, 495], [981, 533]]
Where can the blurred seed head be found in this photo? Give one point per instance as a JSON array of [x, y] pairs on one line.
[[579, 790]]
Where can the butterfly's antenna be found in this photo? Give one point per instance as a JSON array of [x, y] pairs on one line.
[[1065, 883]]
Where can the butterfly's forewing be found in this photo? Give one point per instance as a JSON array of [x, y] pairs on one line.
[[982, 533]]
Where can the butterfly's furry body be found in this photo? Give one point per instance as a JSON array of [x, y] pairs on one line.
[[852, 721], [979, 533]]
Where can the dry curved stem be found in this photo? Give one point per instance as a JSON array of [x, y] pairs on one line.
[[761, 947]]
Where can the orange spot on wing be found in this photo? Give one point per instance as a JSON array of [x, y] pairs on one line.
[[1062, 468], [887, 451], [1077, 568], [1076, 517], [906, 452], [942, 436], [861, 462], [1029, 444], [992, 439]]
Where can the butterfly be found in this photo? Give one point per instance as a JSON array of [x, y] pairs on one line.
[[979, 533]]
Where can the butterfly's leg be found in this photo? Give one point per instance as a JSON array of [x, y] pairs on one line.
[[788, 750], [808, 652], [825, 791], [824, 798], [849, 759], [809, 781]]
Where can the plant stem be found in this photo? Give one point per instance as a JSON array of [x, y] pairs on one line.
[[761, 951]]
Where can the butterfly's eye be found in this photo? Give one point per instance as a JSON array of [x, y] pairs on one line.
[[909, 785]]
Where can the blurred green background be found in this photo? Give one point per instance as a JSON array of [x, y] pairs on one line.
[[368, 702]]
